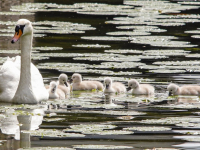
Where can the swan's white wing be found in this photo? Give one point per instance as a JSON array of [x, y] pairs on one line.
[[9, 78], [38, 85]]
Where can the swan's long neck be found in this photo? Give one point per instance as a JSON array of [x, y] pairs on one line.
[[24, 93], [25, 74]]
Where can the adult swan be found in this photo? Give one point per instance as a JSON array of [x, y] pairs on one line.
[[20, 80]]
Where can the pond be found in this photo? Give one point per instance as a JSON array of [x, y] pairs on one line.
[[155, 42]]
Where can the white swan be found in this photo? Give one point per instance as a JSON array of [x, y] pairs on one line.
[[79, 85], [55, 92], [20, 80], [140, 89], [184, 90], [63, 85], [113, 87]]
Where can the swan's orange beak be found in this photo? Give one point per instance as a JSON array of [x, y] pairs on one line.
[[16, 36]]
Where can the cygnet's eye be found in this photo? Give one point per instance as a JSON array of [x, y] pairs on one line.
[[130, 84]]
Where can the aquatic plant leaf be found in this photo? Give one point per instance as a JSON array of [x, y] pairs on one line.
[[196, 36], [123, 51], [166, 52], [47, 48], [16, 13], [53, 119], [104, 38], [52, 133], [96, 129], [46, 148], [128, 33], [170, 120], [101, 147], [115, 65], [91, 46], [147, 128]]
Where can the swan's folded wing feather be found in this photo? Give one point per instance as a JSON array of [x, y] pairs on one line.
[[9, 77], [38, 84]]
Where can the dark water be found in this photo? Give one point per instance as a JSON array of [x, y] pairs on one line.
[[91, 108]]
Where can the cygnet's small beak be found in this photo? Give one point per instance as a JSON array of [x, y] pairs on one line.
[[107, 85], [128, 89], [66, 84], [70, 81], [170, 93], [53, 90]]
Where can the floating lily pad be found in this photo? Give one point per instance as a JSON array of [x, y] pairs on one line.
[[97, 129], [193, 31], [120, 73], [166, 52], [128, 33], [196, 36], [163, 149], [90, 128], [47, 48], [161, 41], [46, 148], [143, 28], [104, 38], [55, 27], [119, 113], [53, 119], [116, 65], [72, 67], [16, 13], [167, 71], [192, 139], [147, 128], [190, 3], [109, 57], [123, 51], [101, 147], [180, 106], [178, 63], [91, 46], [170, 120], [52, 133]]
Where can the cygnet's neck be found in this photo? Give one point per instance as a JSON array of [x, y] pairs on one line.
[[24, 93]]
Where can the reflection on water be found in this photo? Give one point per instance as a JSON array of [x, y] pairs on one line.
[[13, 124]]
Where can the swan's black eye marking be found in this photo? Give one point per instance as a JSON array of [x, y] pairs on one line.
[[19, 27]]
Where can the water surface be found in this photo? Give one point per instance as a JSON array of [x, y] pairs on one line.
[[155, 42]]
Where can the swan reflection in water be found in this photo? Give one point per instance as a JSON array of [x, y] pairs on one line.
[[14, 122]]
